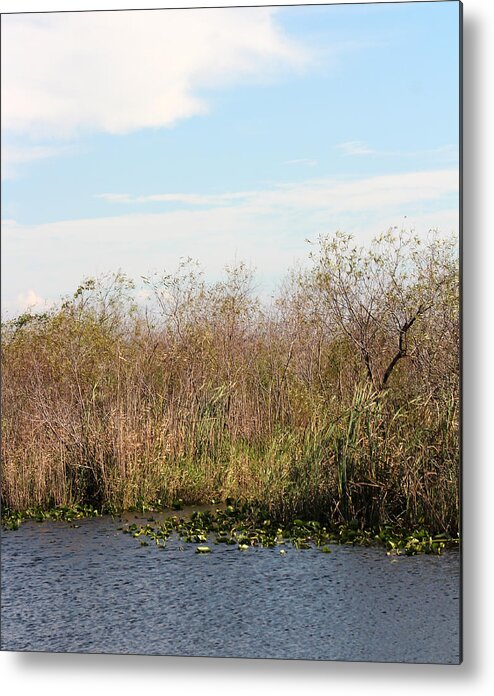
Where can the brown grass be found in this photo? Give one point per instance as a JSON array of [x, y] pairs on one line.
[[206, 393]]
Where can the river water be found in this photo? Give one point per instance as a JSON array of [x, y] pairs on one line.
[[92, 589]]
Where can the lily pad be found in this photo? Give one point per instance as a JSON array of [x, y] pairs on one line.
[[203, 549]]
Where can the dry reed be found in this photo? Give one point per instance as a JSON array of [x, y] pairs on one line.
[[206, 393]]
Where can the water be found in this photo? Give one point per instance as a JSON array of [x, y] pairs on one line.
[[93, 589]]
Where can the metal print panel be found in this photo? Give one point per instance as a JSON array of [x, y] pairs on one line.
[[230, 332]]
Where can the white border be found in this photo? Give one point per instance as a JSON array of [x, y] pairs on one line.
[[52, 674]]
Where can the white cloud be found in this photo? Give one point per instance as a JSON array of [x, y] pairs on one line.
[[118, 72], [267, 229], [334, 196], [30, 300], [199, 199], [14, 157], [355, 147], [306, 161]]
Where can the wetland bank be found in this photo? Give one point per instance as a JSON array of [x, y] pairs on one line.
[[337, 401], [327, 419]]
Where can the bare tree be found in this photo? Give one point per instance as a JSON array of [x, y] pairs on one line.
[[377, 297]]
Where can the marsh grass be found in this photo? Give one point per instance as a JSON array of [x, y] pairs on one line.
[[204, 393]]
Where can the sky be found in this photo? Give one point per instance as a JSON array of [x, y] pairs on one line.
[[133, 139]]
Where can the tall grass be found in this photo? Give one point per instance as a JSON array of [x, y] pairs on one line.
[[204, 393]]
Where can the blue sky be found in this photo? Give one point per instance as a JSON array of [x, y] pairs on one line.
[[132, 139]]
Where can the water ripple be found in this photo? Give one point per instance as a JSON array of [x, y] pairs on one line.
[[92, 589]]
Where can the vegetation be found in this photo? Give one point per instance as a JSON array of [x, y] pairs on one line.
[[12, 519], [338, 402], [244, 527]]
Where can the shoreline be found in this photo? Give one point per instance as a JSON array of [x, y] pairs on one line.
[[243, 525]]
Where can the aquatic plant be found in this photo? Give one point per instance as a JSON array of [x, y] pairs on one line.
[[244, 527], [12, 519]]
